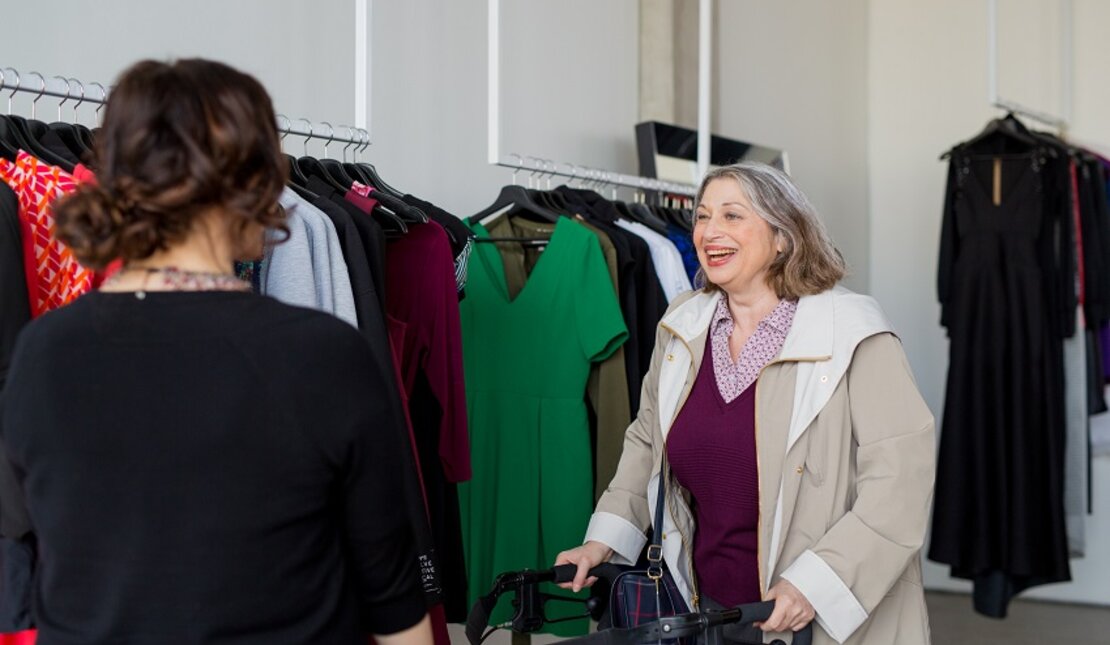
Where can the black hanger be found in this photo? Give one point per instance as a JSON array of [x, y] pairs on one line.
[[557, 202], [30, 133], [375, 180], [9, 143], [311, 167], [648, 218], [548, 200], [15, 132], [296, 177], [515, 200], [358, 172], [1000, 136], [69, 134], [644, 216], [337, 172]]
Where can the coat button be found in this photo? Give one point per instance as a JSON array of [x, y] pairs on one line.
[[824, 379], [670, 357], [800, 470]]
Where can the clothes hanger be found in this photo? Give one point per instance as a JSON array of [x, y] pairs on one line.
[[515, 199], [12, 128], [29, 131], [641, 213], [295, 176], [1000, 136], [90, 134], [389, 199], [9, 145], [333, 167], [311, 166], [67, 132]]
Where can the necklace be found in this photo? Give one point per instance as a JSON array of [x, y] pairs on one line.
[[174, 279]]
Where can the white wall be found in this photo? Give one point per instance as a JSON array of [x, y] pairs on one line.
[[793, 75], [928, 91], [304, 57], [568, 91], [569, 73]]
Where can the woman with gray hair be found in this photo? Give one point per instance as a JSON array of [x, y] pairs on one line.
[[781, 417]]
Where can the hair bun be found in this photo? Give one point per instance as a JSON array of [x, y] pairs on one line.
[[91, 222]]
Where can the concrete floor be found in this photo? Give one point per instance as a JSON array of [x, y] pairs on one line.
[[1029, 623], [955, 623]]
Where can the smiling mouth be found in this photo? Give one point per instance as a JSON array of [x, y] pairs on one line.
[[717, 257]]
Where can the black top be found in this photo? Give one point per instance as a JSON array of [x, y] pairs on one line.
[[15, 306], [208, 467]]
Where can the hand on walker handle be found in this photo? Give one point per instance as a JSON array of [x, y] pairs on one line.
[[792, 609], [585, 557]]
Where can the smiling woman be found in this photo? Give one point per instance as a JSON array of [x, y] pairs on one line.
[[805, 260], [800, 449]]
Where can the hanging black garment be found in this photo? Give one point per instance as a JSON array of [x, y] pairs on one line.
[[17, 545], [371, 318], [15, 307], [367, 300], [999, 514], [369, 232], [1095, 226]]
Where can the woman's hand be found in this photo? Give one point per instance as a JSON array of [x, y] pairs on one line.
[[587, 556], [792, 609]]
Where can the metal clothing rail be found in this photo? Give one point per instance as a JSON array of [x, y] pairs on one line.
[[71, 88], [545, 168], [1066, 53], [1042, 117]]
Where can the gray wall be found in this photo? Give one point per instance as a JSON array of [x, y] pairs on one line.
[[568, 91], [793, 75], [569, 73], [927, 94], [305, 59]]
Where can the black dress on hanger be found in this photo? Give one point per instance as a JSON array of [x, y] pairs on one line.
[[999, 516]]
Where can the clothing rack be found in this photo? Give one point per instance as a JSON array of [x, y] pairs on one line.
[[545, 168], [1066, 53], [64, 88], [1042, 117]]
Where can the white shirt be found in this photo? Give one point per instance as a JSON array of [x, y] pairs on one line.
[[665, 256]]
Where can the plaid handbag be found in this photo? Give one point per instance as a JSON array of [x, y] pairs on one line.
[[643, 594]]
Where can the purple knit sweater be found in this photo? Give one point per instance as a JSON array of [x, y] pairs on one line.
[[711, 449]]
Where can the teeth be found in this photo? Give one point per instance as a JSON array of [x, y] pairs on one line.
[[717, 254]]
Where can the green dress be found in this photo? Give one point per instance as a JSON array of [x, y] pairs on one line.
[[527, 360]]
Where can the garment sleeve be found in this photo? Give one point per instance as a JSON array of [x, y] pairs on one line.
[[343, 294], [849, 571], [287, 266], [607, 390], [598, 316], [623, 515], [378, 532], [949, 244], [15, 306], [444, 367]]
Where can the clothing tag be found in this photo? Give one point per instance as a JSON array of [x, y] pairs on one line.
[[494, 215], [361, 189], [997, 181]]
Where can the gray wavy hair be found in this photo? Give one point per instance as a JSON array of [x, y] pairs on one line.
[[809, 262]]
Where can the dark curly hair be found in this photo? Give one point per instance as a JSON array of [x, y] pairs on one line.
[[179, 139]]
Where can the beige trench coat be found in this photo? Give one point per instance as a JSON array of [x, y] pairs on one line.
[[846, 465]]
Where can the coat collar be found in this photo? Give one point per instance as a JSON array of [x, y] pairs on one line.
[[810, 336]]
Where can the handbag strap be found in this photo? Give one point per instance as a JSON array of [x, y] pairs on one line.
[[655, 549]]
